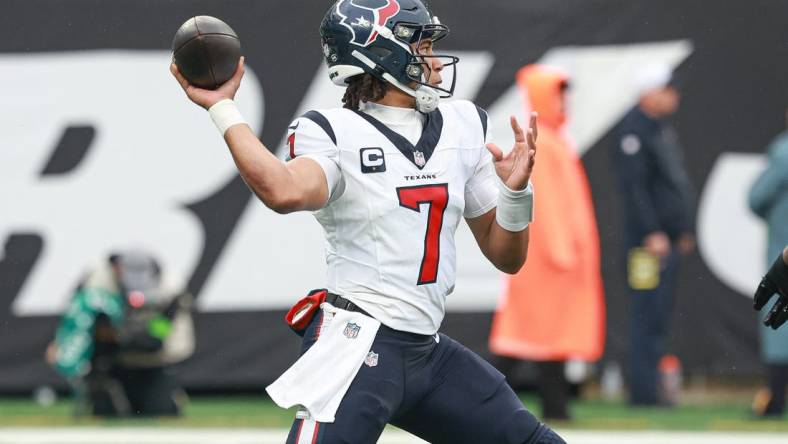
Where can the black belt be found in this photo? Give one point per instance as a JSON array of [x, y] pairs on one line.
[[344, 304]]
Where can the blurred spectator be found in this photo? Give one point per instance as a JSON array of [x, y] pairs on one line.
[[553, 310], [657, 201], [769, 200], [125, 327]]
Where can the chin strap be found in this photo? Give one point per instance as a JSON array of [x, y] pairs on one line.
[[427, 99]]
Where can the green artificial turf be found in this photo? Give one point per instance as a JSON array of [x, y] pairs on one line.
[[249, 411]]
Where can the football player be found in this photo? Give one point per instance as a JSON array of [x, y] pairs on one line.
[[389, 176]]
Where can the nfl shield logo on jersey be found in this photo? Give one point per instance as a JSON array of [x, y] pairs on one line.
[[418, 157], [372, 359], [351, 330]]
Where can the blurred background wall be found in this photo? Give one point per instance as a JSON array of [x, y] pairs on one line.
[[98, 150]]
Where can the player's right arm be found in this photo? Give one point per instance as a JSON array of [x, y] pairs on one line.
[[283, 187], [300, 184]]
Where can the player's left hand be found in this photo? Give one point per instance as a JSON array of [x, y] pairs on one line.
[[775, 282], [515, 168]]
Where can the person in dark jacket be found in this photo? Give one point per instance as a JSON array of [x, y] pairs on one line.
[[768, 199], [658, 203], [771, 402]]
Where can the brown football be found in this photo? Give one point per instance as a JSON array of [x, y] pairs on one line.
[[206, 51]]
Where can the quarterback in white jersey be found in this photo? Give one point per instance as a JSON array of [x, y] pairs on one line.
[[394, 203], [389, 177]]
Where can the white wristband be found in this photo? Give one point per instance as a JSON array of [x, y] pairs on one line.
[[515, 208], [225, 114]]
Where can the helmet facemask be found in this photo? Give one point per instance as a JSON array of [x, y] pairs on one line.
[[418, 68]]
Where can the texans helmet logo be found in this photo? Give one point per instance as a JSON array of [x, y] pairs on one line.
[[360, 20]]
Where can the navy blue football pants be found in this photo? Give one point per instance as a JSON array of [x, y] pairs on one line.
[[651, 310], [437, 390]]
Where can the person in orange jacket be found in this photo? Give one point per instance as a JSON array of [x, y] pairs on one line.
[[553, 310]]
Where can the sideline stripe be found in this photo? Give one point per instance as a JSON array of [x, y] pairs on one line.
[[308, 432], [298, 434]]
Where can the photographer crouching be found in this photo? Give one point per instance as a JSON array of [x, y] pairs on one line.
[[118, 341]]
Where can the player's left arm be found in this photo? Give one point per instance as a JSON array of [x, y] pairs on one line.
[[507, 248]]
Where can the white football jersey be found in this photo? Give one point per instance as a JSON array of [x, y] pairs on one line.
[[394, 207]]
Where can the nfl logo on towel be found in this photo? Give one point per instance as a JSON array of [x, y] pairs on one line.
[[371, 359], [351, 330]]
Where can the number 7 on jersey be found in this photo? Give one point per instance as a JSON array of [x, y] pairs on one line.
[[437, 197]]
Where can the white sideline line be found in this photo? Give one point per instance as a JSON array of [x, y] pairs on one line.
[[78, 435], [615, 437]]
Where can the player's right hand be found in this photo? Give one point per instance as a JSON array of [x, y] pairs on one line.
[[206, 98]]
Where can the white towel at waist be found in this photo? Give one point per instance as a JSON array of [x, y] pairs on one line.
[[319, 379]]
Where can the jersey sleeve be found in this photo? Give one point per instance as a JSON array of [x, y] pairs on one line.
[[481, 190], [310, 139], [484, 119]]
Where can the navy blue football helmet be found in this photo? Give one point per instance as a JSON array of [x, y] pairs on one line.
[[376, 37]]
